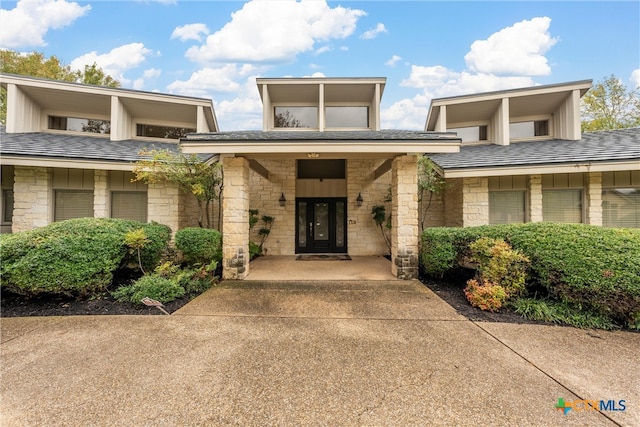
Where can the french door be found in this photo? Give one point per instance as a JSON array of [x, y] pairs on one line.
[[321, 225]]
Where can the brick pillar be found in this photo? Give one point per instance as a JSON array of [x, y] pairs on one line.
[[594, 198], [235, 222], [33, 198], [535, 198], [475, 201], [163, 205], [404, 217], [101, 194]]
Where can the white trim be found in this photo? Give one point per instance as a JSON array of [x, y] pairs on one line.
[[66, 163], [542, 169], [276, 147]]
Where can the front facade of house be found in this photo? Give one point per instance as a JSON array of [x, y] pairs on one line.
[[319, 165]]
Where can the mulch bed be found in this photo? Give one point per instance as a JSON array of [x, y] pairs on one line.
[[12, 305]]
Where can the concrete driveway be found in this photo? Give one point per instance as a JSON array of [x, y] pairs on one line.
[[311, 353]]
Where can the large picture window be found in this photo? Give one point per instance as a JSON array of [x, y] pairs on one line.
[[347, 117], [129, 205], [621, 207], [562, 205], [296, 117], [507, 207], [73, 204]]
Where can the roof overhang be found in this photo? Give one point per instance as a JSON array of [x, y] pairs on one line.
[[480, 107], [542, 169], [307, 89], [57, 162]]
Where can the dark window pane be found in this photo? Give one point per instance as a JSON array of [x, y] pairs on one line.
[[296, 117], [156, 131], [321, 169]]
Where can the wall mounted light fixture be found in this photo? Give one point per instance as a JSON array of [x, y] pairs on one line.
[[359, 200], [282, 200]]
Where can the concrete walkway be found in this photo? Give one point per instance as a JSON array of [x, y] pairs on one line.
[[311, 353]]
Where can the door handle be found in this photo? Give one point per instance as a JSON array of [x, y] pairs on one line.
[[311, 229]]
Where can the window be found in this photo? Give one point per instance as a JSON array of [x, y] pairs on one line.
[[471, 133], [129, 205], [157, 131], [621, 207], [73, 204], [75, 124], [322, 169], [529, 129], [562, 205], [507, 207], [7, 206], [347, 117], [296, 117]]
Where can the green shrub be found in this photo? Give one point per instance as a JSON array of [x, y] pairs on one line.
[[77, 257], [152, 286], [560, 312], [594, 268], [199, 245]]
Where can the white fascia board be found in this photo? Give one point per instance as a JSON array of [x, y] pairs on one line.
[[306, 147], [543, 169], [66, 163]]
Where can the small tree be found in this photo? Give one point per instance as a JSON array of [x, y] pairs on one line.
[[379, 214], [430, 183], [189, 172]]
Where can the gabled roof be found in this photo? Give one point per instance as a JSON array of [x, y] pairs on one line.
[[595, 151], [51, 149]]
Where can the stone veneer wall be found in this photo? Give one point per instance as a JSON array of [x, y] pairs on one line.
[[265, 195], [475, 201], [235, 228], [164, 205], [453, 203], [33, 198], [404, 219], [535, 198], [101, 200], [363, 235], [594, 198]]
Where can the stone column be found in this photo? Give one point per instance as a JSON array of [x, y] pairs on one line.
[[404, 217], [163, 205], [475, 201], [594, 198], [33, 198], [101, 194], [535, 198], [235, 223]]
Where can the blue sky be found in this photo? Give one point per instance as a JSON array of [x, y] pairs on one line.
[[425, 49]]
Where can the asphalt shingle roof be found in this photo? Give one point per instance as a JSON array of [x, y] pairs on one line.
[[602, 146], [78, 147]]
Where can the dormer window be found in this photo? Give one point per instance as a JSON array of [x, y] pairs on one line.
[[168, 132], [471, 133], [76, 124], [529, 129], [296, 117], [347, 117]]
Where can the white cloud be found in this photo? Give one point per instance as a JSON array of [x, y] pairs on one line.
[[635, 78], [392, 62], [151, 73], [115, 62], [207, 80], [27, 23], [515, 50], [190, 32], [275, 31], [373, 32], [324, 49], [405, 114]]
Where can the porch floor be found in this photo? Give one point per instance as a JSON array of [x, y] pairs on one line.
[[285, 267]]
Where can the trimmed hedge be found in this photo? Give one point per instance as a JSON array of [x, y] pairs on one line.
[[589, 267], [77, 257], [199, 245]]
